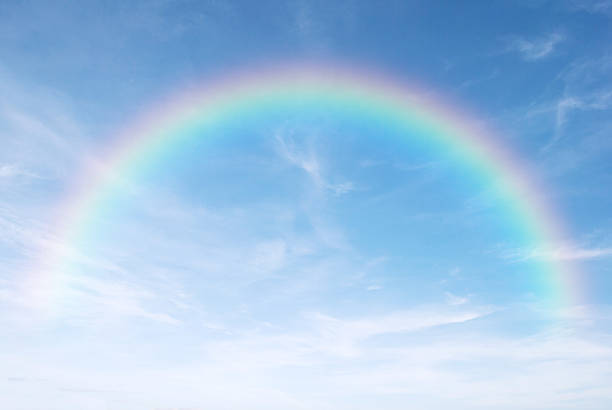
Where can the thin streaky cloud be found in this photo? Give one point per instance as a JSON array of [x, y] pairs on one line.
[[9, 171], [452, 299], [559, 253], [536, 48], [590, 6], [310, 162]]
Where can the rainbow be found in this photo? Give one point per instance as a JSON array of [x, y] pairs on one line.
[[365, 91]]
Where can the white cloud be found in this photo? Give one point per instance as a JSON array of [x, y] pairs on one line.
[[310, 162], [341, 188], [455, 300], [40, 133], [332, 362], [573, 253], [590, 6], [566, 104], [577, 92], [367, 163], [12, 171], [491, 372], [269, 256], [535, 49], [326, 338], [560, 253]]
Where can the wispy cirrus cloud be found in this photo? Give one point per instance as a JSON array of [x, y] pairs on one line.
[[573, 253], [308, 160], [454, 300], [9, 171], [41, 132], [535, 48], [590, 6], [560, 253], [576, 96], [600, 100]]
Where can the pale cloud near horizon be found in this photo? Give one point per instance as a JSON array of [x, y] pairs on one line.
[[340, 358]]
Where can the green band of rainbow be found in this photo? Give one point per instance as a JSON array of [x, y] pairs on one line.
[[479, 149]]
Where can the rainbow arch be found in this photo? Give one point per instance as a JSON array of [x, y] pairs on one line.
[[233, 95]]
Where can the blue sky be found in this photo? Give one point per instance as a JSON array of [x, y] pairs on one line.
[[303, 258]]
